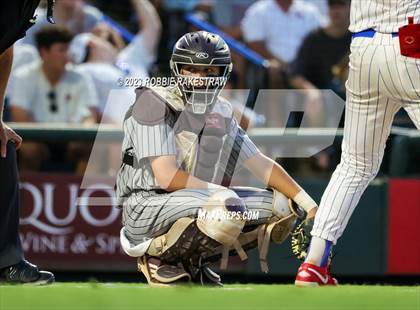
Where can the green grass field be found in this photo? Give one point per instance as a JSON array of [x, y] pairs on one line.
[[118, 296]]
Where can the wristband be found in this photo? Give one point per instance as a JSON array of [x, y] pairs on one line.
[[305, 201]]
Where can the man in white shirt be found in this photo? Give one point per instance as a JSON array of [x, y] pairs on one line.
[[51, 92], [276, 28]]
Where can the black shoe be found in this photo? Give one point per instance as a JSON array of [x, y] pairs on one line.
[[202, 274], [25, 273]]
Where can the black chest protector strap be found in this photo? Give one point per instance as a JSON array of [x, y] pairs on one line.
[[128, 157]]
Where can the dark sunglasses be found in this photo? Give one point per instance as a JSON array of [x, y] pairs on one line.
[[53, 101]]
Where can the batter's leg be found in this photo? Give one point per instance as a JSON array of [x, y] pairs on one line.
[[369, 115]]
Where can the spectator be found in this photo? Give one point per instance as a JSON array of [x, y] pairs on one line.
[[102, 57], [276, 28], [141, 52], [321, 64], [97, 58], [50, 92], [321, 51], [76, 15]]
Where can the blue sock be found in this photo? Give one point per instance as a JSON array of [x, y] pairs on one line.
[[319, 252]]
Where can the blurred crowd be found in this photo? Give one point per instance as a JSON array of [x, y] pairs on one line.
[[64, 73]]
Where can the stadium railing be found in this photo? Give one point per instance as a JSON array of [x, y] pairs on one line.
[[65, 132], [405, 153], [404, 149]]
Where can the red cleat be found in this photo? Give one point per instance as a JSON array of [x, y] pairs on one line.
[[312, 275]]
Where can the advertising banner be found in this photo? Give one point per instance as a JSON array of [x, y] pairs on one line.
[[58, 233]]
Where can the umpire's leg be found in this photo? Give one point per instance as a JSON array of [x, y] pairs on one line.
[[10, 246]]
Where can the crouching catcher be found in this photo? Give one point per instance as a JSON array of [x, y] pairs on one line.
[[181, 148]]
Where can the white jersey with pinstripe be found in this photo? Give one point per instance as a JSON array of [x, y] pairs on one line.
[[381, 81], [385, 16], [147, 212]]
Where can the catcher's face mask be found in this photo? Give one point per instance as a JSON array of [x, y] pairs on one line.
[[201, 63], [200, 84]]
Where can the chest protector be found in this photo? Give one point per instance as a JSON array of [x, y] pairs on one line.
[[199, 137]]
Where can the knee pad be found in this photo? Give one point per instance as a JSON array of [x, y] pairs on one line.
[[221, 217]]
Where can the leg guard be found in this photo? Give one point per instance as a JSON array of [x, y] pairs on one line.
[[183, 242], [189, 241], [277, 229]]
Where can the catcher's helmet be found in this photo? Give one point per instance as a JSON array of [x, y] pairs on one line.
[[201, 48]]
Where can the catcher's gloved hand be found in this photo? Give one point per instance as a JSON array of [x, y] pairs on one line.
[[301, 238]]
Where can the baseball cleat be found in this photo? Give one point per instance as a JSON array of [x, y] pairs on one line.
[[311, 275], [26, 273], [202, 274], [160, 274]]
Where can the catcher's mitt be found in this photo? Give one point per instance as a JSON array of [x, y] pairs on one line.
[[301, 238]]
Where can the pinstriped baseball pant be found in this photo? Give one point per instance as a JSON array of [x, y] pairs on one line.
[[381, 81], [147, 215]]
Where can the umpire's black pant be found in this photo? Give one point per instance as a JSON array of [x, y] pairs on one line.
[[15, 18], [10, 245]]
